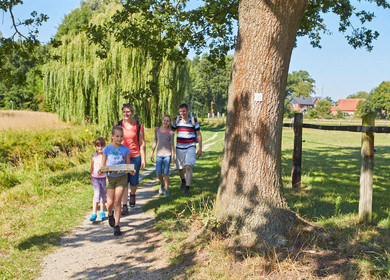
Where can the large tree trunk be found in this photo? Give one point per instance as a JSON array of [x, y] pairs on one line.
[[250, 196]]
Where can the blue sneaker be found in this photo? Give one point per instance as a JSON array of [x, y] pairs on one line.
[[93, 217], [102, 215], [166, 193], [161, 190]]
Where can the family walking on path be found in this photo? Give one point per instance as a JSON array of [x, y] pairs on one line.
[[128, 147], [90, 252]]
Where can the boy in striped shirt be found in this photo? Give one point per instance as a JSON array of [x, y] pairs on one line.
[[188, 134]]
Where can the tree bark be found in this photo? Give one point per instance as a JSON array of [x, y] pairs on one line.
[[250, 195]]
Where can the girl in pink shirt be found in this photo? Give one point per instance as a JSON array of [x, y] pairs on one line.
[[98, 180]]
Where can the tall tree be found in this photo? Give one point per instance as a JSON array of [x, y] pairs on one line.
[[299, 83], [23, 88], [80, 86], [378, 101], [209, 85], [250, 195], [322, 107]]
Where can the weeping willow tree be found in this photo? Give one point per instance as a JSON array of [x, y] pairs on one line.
[[80, 86]]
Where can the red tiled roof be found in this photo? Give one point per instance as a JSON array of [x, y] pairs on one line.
[[348, 105]]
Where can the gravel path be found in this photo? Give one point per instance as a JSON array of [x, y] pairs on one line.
[[91, 251]]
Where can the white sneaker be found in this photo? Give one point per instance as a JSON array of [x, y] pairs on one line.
[[161, 190]]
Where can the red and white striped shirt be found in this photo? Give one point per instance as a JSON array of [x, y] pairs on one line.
[[186, 132]]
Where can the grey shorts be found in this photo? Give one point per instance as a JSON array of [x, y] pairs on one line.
[[185, 157]]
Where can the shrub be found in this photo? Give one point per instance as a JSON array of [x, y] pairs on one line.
[[312, 114], [8, 179]]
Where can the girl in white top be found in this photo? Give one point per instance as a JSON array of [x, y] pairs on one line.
[[164, 141]]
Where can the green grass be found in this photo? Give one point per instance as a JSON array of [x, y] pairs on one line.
[[331, 174], [330, 189], [50, 195]]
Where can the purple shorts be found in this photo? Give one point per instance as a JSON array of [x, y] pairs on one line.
[[99, 189]]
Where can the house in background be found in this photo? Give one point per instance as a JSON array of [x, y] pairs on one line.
[[302, 104], [346, 106]]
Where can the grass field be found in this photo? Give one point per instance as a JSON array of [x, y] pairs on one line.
[[45, 192], [14, 119]]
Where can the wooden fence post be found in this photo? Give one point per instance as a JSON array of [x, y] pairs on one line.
[[366, 171], [297, 154]]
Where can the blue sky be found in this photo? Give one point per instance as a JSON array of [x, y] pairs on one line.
[[338, 69], [54, 9]]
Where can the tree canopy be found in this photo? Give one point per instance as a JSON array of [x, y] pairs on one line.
[[172, 28], [209, 85], [19, 44], [322, 107], [378, 101], [23, 88], [360, 94], [80, 86], [299, 83]]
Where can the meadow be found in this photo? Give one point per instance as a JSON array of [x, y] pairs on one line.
[[45, 192], [16, 119]]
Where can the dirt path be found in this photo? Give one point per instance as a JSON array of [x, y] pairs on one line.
[[91, 251]]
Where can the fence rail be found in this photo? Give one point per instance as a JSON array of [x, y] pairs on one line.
[[350, 128]]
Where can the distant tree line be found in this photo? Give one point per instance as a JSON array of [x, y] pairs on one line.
[[378, 101], [300, 84]]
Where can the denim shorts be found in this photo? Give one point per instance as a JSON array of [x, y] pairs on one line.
[[134, 179], [160, 161]]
